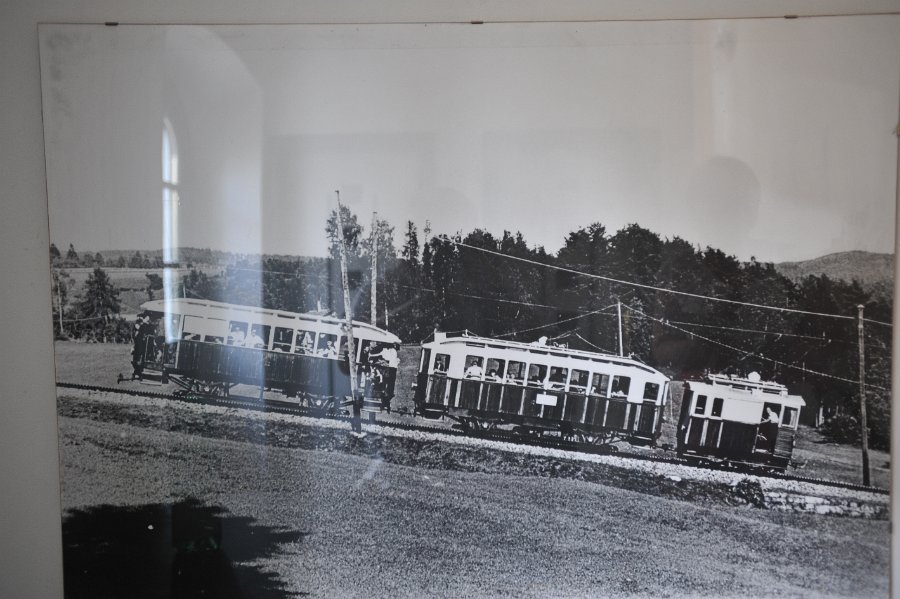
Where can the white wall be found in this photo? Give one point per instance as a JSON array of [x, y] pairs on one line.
[[30, 554]]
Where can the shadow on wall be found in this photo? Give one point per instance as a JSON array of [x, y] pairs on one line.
[[168, 550]]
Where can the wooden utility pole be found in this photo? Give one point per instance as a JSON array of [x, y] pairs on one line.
[[862, 396], [374, 311], [619, 310], [59, 305], [356, 423]]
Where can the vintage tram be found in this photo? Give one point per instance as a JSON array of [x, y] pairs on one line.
[[208, 347], [537, 388], [738, 421]]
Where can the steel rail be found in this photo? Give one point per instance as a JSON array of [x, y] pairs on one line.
[[291, 408]]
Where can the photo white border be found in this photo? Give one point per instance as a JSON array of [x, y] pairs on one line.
[[30, 536]]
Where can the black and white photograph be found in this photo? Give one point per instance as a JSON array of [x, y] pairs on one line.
[[575, 309]]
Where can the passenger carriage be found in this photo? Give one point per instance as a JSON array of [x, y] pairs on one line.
[[738, 421], [484, 383], [209, 347]]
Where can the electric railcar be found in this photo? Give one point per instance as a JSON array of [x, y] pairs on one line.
[[537, 388], [209, 347], [740, 421]]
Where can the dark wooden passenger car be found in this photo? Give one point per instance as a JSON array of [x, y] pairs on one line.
[[209, 347], [738, 421], [484, 383]]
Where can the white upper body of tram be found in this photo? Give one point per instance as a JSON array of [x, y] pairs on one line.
[[745, 400], [272, 330], [544, 366]]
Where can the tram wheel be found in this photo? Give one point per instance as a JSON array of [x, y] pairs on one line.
[[317, 402]]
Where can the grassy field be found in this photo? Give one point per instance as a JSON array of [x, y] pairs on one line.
[[362, 526], [131, 282], [100, 364]]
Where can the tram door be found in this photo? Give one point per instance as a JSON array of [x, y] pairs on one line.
[[437, 382]]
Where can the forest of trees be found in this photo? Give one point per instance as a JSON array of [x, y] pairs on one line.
[[500, 286]]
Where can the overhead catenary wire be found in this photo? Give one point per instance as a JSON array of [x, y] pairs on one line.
[[481, 297], [750, 353], [662, 289], [595, 346], [558, 322], [581, 273]]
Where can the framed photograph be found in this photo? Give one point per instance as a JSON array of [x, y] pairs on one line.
[[532, 309]]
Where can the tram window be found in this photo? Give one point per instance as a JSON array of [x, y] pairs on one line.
[[237, 333], [441, 363], [305, 341], [557, 379], [515, 373], [578, 382], [620, 386], [494, 370], [365, 347], [771, 413], [600, 385], [790, 417], [215, 330], [474, 368], [327, 346], [259, 336], [283, 338], [193, 328], [651, 391], [717, 407], [536, 374], [700, 406], [172, 326]]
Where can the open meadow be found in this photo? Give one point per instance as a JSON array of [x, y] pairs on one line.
[[183, 499]]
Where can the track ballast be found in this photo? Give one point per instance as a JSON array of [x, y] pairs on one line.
[[552, 442]]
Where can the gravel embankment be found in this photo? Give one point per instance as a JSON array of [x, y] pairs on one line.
[[435, 451], [460, 522]]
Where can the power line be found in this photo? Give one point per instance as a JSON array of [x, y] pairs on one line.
[[661, 289], [757, 331], [479, 297], [750, 353], [558, 322], [595, 346]]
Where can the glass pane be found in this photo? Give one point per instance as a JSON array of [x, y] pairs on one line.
[[700, 406], [474, 369]]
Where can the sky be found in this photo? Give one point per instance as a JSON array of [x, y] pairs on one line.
[[768, 138]]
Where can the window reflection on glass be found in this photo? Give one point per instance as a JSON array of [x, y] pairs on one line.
[[169, 208]]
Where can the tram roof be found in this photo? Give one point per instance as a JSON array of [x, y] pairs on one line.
[[760, 391], [210, 308], [536, 348]]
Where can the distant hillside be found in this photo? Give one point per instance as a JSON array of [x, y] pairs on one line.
[[191, 255], [873, 271]]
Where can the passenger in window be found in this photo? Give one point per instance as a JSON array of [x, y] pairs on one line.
[[557, 379], [536, 378], [254, 340], [387, 356], [236, 335], [305, 345], [578, 380], [620, 386], [512, 374], [440, 364], [474, 370], [329, 350]]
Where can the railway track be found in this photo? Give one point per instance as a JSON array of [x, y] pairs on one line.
[[552, 442]]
